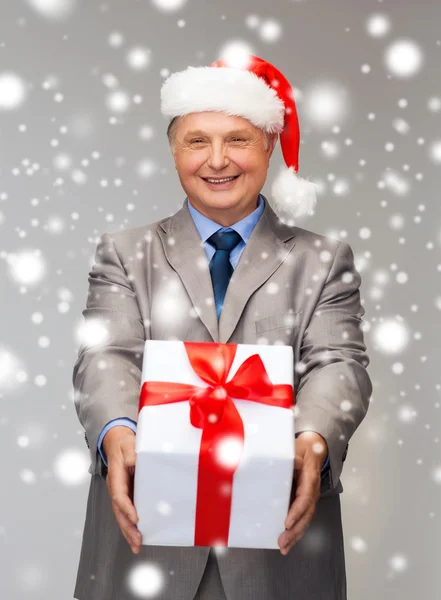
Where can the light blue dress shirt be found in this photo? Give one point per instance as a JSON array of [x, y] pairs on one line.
[[206, 227]]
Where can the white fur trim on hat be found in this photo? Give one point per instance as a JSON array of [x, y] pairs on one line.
[[292, 196], [235, 92]]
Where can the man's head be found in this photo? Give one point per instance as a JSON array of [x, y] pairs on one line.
[[262, 100], [214, 145]]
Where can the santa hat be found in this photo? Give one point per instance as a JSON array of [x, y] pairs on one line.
[[260, 93]]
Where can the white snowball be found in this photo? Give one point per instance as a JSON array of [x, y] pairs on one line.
[[115, 39], [391, 336], [397, 368], [236, 54], [229, 451], [27, 267], [403, 58], [270, 30], [398, 562], [139, 58], [378, 25], [358, 544], [325, 104], [252, 21], [168, 5], [145, 580], [71, 467], [407, 414], [53, 9], [146, 168], [12, 91], [435, 152], [92, 332]]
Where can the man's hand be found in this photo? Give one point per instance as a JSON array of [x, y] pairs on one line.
[[311, 453], [119, 446]]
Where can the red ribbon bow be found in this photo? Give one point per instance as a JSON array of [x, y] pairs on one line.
[[212, 409]]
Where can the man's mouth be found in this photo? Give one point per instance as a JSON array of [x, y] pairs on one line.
[[219, 180]]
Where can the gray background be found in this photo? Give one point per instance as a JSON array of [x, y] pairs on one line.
[[71, 168]]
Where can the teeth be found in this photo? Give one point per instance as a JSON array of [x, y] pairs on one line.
[[220, 180]]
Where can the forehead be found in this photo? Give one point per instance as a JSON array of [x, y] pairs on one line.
[[213, 123]]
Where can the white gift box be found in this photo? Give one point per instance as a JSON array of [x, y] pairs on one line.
[[168, 450]]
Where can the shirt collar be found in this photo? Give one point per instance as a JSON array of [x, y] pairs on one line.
[[206, 227]]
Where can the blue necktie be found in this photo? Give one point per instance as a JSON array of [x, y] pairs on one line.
[[220, 266]]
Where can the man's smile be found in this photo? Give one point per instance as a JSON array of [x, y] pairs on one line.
[[220, 182]]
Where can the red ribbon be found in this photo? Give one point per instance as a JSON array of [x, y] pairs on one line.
[[212, 409]]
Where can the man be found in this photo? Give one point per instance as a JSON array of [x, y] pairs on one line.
[[225, 268]]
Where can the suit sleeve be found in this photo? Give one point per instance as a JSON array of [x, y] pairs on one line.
[[334, 388], [107, 372]]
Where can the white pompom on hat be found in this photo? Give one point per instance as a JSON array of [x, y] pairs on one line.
[[260, 93]]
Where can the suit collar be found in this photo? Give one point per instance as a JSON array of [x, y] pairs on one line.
[[206, 227], [268, 246], [183, 217]]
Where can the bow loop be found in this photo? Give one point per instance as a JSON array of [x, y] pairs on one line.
[[214, 363], [251, 380]]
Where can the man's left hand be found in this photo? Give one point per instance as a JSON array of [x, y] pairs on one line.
[[311, 453]]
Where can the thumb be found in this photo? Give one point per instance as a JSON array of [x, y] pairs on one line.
[[298, 463], [129, 456]]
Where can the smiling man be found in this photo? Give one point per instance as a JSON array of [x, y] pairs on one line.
[[236, 269], [222, 163]]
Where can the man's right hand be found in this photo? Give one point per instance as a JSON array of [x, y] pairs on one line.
[[119, 446]]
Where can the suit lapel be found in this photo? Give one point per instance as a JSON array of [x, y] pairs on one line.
[[184, 250], [268, 246]]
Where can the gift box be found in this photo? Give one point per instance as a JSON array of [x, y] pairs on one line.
[[215, 444]]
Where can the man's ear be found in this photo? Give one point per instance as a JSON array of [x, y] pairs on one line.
[[272, 144]]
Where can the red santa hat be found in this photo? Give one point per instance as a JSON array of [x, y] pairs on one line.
[[260, 93]]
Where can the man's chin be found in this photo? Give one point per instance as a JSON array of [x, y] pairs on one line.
[[217, 202]]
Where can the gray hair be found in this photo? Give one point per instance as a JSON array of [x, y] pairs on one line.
[[171, 134]]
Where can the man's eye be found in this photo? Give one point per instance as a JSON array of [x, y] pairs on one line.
[[239, 139]]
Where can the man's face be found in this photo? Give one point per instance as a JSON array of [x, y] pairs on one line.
[[214, 145]]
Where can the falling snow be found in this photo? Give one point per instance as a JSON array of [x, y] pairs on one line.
[[85, 152]]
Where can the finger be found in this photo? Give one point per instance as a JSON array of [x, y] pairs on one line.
[[298, 529], [301, 527], [291, 536], [305, 497], [294, 538], [284, 549], [298, 509], [129, 453], [307, 491], [124, 503], [119, 482], [130, 532], [298, 463]]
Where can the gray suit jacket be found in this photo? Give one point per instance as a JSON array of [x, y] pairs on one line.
[[290, 286]]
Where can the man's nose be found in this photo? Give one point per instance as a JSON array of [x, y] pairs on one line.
[[217, 158]]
